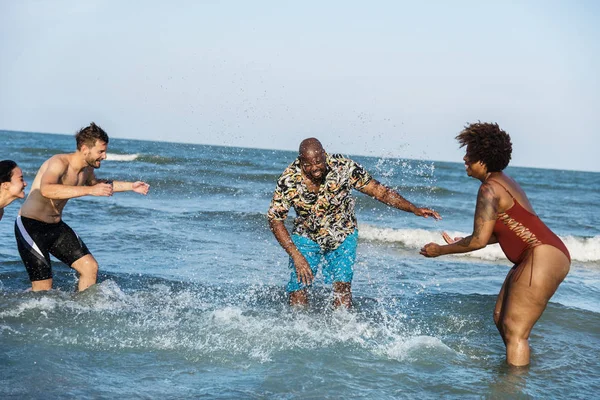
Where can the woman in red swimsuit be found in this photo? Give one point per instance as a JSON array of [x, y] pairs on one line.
[[504, 215]]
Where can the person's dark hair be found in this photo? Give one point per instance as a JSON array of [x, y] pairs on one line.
[[6, 169], [487, 143], [89, 135]]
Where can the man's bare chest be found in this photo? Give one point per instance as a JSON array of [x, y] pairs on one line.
[[73, 178]]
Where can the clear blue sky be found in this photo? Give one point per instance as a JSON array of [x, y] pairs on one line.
[[383, 78]]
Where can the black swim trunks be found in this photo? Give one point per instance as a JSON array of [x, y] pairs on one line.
[[36, 240]]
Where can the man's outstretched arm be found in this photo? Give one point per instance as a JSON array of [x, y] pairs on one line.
[[394, 199], [51, 188], [121, 186], [137, 186]]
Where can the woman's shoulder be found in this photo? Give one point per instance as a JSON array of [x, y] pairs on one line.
[[508, 190], [503, 181]]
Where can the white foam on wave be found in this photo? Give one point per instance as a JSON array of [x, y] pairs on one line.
[[415, 347], [199, 326], [581, 249], [416, 238], [229, 331], [41, 305], [104, 296], [121, 157]]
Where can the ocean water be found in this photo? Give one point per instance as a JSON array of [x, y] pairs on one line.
[[191, 303]]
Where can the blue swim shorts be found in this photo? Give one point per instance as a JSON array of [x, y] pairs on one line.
[[336, 265]]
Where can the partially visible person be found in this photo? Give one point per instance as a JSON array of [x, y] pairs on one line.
[[504, 215], [12, 185], [318, 186], [39, 228]]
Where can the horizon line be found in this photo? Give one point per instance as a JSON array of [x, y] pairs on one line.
[[290, 150]]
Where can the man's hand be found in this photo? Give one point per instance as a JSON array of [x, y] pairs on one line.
[[102, 189], [426, 212], [303, 271], [140, 187]]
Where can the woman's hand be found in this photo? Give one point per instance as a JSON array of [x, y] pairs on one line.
[[449, 240], [431, 250]]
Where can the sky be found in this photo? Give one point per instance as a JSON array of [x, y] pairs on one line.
[[379, 78]]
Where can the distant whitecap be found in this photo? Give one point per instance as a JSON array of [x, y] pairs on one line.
[[581, 249], [121, 157]]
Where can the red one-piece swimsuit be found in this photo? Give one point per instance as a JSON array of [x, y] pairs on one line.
[[519, 230]]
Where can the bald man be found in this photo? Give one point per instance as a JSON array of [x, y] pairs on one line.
[[318, 186]]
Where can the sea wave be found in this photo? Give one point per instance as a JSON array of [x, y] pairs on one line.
[[41, 151], [161, 160], [581, 248], [203, 322], [231, 325], [121, 157]]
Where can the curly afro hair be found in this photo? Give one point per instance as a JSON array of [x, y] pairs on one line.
[[487, 143]]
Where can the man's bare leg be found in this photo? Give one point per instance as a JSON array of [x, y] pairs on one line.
[[45, 284], [342, 294], [299, 298], [87, 266]]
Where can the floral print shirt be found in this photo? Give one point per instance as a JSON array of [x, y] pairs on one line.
[[327, 217]]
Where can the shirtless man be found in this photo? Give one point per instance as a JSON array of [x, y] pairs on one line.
[[39, 228]]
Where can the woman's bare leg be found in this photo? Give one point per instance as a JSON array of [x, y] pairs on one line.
[[498, 307], [524, 304]]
